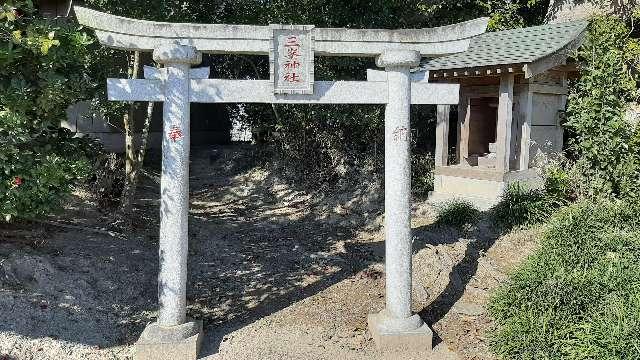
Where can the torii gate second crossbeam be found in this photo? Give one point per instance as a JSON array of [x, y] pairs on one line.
[[179, 46]]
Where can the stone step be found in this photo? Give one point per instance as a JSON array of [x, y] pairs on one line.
[[487, 161]]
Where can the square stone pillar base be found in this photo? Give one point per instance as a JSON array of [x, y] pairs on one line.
[[419, 340], [180, 342]]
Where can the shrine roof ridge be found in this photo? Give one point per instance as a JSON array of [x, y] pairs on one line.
[[131, 34], [524, 46]]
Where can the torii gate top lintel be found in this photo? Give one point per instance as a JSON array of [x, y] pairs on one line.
[[131, 34]]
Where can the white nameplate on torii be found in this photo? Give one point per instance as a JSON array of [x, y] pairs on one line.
[[291, 59], [205, 90]]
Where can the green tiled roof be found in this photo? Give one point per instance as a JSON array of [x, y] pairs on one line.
[[517, 46]]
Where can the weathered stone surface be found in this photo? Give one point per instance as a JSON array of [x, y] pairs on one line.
[[177, 54], [398, 58], [174, 184], [395, 327], [398, 183], [180, 342], [261, 91], [414, 341], [131, 34]]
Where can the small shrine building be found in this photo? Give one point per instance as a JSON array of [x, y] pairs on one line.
[[513, 92]]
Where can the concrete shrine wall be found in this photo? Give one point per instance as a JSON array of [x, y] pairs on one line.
[[479, 98], [537, 106]]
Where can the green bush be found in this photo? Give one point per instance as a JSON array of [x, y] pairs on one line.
[[578, 295], [42, 65], [521, 205], [458, 214], [605, 142]]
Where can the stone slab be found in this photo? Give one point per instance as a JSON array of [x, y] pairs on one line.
[[473, 185], [261, 91], [418, 341], [437, 198], [151, 347], [131, 34]]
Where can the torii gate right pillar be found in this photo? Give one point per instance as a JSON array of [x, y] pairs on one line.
[[395, 327]]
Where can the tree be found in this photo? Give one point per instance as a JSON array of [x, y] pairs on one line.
[[43, 66], [605, 141], [130, 64]]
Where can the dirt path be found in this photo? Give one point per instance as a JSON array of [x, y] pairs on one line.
[[275, 272]]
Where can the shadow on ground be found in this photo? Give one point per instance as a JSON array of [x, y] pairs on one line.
[[482, 239], [257, 246]]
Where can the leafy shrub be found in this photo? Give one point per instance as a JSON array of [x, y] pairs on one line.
[[42, 66], [524, 206], [520, 206], [107, 179], [578, 296], [561, 183], [606, 143], [458, 214], [422, 165]]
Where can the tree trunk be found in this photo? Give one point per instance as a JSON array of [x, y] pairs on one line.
[[134, 159]]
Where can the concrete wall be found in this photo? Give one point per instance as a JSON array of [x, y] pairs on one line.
[[54, 8], [209, 125], [547, 106]]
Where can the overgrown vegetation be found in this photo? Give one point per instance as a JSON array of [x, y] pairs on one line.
[[42, 71], [578, 296], [460, 214], [522, 205], [422, 165], [605, 141]]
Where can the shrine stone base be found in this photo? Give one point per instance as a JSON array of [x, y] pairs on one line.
[[418, 341], [481, 187], [180, 342]]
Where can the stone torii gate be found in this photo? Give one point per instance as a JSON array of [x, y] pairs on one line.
[[291, 49]]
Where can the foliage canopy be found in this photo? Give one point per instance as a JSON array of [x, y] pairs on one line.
[[42, 72], [605, 141]]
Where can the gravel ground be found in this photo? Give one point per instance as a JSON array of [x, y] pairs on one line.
[[276, 272]]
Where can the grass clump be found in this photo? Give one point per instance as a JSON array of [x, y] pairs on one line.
[[525, 206], [578, 296], [521, 206], [458, 214]]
